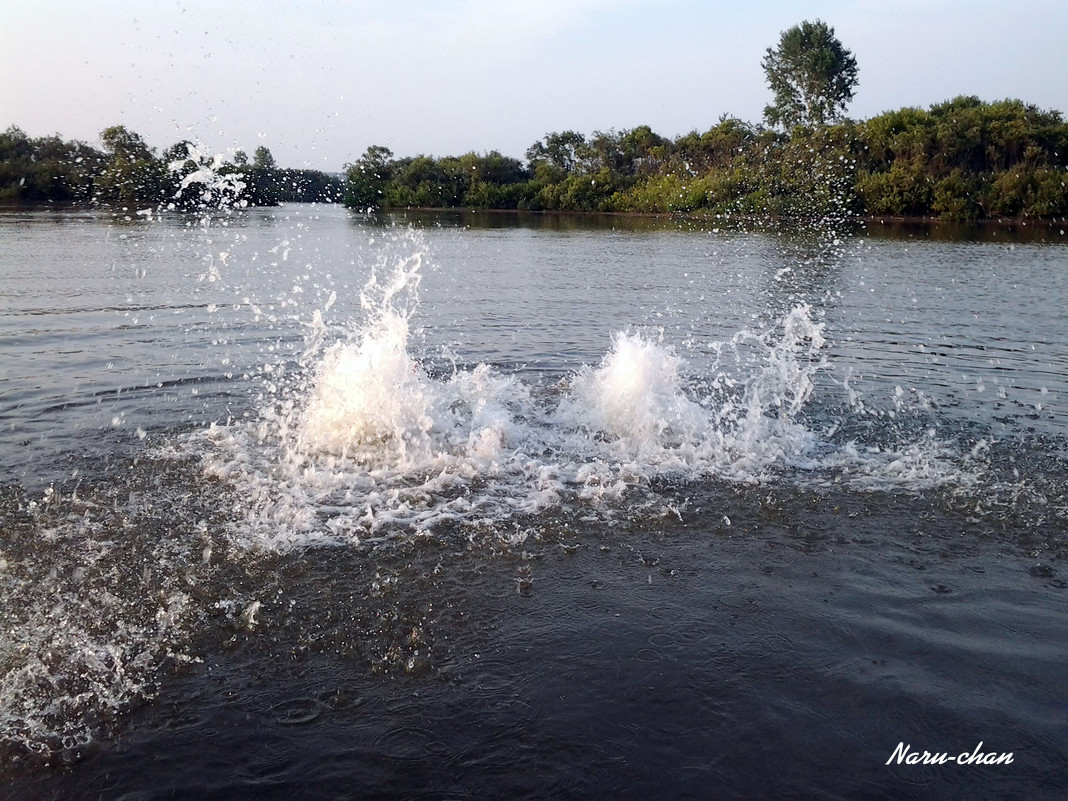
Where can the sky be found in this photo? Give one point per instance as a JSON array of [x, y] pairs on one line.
[[319, 81]]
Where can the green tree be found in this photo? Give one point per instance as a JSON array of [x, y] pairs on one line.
[[45, 169], [366, 179], [262, 159], [122, 143], [133, 175], [717, 148], [811, 74], [558, 150], [623, 153], [964, 159], [644, 152]]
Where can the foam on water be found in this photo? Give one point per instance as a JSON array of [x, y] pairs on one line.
[[99, 595], [364, 441]]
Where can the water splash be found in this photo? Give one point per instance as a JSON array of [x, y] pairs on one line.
[[362, 438], [365, 442], [97, 596], [371, 399], [205, 181], [636, 397]]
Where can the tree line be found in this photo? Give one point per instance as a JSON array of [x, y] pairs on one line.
[[963, 159], [127, 173]]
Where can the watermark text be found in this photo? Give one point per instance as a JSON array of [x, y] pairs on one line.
[[904, 755]]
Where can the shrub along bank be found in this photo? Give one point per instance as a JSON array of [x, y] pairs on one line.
[[959, 160]]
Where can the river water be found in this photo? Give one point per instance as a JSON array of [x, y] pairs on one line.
[[301, 503]]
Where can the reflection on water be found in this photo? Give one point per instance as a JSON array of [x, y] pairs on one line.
[[1000, 231]]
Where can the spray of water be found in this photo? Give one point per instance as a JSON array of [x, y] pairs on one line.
[[101, 589], [204, 182], [364, 442], [370, 399], [635, 398]]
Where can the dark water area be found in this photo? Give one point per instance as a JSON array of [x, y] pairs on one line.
[[302, 504], [1003, 231]]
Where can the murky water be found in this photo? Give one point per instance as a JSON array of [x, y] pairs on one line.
[[297, 502]]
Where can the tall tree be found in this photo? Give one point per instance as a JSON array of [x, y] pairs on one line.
[[811, 74], [262, 159]]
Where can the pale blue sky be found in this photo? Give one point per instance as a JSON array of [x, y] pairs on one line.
[[317, 82]]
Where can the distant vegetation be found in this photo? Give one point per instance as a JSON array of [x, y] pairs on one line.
[[127, 173], [959, 160], [963, 159]]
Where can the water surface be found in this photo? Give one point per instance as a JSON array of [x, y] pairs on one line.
[[302, 502]]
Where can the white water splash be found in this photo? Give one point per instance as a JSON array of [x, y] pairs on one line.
[[92, 609], [206, 172], [636, 398], [374, 445], [371, 400]]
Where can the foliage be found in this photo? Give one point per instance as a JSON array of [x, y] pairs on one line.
[[962, 159], [123, 144], [965, 159], [133, 175], [811, 74], [487, 181], [904, 190], [809, 174], [308, 186], [366, 179], [959, 160], [262, 159], [127, 173], [559, 151], [46, 169]]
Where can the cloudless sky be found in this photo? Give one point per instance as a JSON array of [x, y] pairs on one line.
[[319, 81]]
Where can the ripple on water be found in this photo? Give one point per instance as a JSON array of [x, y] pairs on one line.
[[297, 711]]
